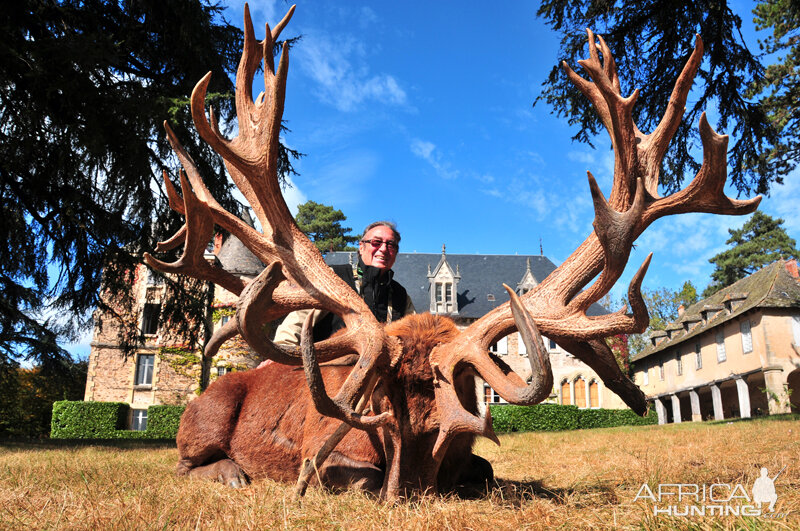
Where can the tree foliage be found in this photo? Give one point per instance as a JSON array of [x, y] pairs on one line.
[[780, 86], [27, 396], [663, 305], [651, 41], [323, 226], [86, 86], [760, 241]]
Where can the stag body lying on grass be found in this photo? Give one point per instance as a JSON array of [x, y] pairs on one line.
[[411, 379], [262, 423]]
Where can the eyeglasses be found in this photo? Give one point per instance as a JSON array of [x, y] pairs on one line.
[[376, 243]]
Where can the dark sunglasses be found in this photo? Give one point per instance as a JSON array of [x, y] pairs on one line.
[[376, 243]]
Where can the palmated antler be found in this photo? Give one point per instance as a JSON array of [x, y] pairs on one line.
[[296, 277], [558, 304]]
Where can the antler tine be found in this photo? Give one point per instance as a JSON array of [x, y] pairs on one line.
[[198, 230], [338, 407], [653, 146]]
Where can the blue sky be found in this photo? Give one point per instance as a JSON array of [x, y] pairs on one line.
[[421, 113]]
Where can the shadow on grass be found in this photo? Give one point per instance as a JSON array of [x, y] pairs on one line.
[[762, 418], [60, 444], [516, 493]]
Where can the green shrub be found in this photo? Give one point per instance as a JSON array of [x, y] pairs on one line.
[[555, 417], [107, 420], [87, 420], [163, 421]]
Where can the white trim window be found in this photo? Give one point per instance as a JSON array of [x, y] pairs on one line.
[[747, 337], [721, 355], [144, 369], [646, 376], [679, 362], [139, 419], [501, 347]]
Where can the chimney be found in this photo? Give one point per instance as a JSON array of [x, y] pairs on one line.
[[681, 310], [791, 267]]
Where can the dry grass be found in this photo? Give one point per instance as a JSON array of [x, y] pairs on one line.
[[547, 480]]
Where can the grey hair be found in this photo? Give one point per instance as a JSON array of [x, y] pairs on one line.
[[389, 224]]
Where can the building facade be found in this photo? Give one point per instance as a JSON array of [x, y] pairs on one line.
[[463, 287], [734, 354]]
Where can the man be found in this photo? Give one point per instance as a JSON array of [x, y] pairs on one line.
[[385, 297]]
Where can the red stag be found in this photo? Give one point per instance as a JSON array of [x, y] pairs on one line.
[[411, 392]]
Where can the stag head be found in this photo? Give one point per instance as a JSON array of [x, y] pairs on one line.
[[296, 277]]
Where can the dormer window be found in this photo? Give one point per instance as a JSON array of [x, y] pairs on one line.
[[528, 282], [443, 282], [708, 312]]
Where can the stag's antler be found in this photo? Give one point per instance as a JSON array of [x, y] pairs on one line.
[[558, 305], [296, 277]]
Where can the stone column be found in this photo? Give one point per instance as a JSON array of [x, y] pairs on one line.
[[744, 398], [661, 411], [695, 400], [676, 409], [774, 381], [716, 398]]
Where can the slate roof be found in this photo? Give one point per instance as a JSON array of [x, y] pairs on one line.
[[236, 258], [481, 275], [770, 287]]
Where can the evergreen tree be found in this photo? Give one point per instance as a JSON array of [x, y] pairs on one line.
[[780, 85], [323, 226], [651, 41], [760, 241], [86, 86]]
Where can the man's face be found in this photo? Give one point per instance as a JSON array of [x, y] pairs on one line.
[[382, 256]]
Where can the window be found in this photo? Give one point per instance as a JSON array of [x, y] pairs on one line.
[[224, 320], [646, 376], [553, 345], [679, 362], [501, 347], [444, 297], [747, 337], [490, 396], [661, 370], [580, 392], [796, 329], [150, 318], [594, 394], [144, 369], [139, 419], [521, 349], [566, 396], [698, 358], [154, 279], [222, 371], [721, 356]]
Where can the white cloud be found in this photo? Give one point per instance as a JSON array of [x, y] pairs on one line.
[[338, 65], [427, 151], [293, 196]]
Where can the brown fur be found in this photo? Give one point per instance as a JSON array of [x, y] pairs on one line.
[[262, 423]]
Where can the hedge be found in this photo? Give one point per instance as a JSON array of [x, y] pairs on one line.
[[555, 417], [107, 420]]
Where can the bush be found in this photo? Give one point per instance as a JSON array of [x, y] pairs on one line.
[[555, 417], [87, 420], [107, 420], [163, 421]]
